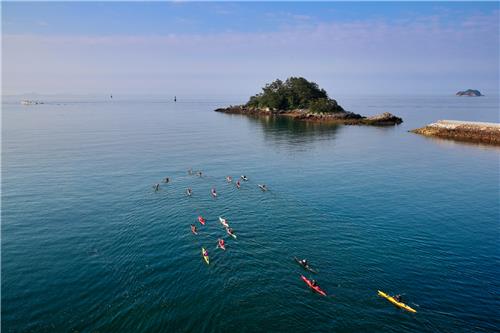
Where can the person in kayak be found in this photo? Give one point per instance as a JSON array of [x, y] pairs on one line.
[[189, 191], [156, 187], [221, 243], [199, 173], [166, 180], [190, 171], [193, 228], [205, 253], [398, 298], [314, 283], [304, 263], [238, 184], [230, 231]]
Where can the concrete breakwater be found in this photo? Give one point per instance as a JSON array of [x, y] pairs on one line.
[[469, 131]]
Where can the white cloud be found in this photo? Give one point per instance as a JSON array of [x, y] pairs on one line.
[[347, 55]]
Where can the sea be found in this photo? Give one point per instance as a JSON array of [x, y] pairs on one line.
[[87, 244]]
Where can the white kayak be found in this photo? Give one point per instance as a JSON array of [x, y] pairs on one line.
[[223, 221]]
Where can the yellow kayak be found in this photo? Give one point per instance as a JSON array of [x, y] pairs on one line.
[[396, 303], [207, 260]]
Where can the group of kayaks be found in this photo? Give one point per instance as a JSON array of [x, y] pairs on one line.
[[221, 244], [314, 286], [213, 191], [223, 221], [311, 283]]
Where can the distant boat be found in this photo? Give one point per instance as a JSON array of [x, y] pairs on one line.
[[30, 102], [175, 98], [111, 96]]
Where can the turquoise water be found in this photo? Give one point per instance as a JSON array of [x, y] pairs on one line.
[[87, 245]]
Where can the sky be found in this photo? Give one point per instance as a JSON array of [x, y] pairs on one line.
[[234, 48]]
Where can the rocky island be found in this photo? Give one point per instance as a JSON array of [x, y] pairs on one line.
[[469, 92], [303, 100], [469, 131]]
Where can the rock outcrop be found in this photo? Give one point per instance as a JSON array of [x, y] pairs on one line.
[[384, 119], [343, 117]]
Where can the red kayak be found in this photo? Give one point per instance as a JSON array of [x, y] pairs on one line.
[[221, 244], [201, 220], [315, 288]]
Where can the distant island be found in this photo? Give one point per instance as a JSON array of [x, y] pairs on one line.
[[469, 131], [304, 100], [469, 92]]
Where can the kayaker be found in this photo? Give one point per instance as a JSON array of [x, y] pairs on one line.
[[156, 187], [304, 263], [230, 230], [398, 298], [189, 191], [193, 228], [221, 243], [314, 283], [190, 171], [238, 184], [166, 180], [205, 253], [199, 173]]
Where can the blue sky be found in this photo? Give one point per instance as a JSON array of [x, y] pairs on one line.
[[233, 48]]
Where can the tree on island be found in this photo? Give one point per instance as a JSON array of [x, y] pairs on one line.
[[294, 93]]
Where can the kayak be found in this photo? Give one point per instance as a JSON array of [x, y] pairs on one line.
[[224, 222], [263, 187], [305, 267], [201, 220], [189, 192], [244, 178], [214, 193], [229, 179], [396, 303], [207, 260], [193, 230], [230, 234], [238, 185], [221, 244], [315, 288]]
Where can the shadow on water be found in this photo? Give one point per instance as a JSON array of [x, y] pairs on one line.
[[289, 132], [450, 143]]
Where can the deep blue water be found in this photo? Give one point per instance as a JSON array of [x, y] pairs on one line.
[[87, 245]]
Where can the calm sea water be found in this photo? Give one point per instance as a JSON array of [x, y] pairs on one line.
[[87, 245]]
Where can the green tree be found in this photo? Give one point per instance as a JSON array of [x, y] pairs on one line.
[[324, 105], [294, 93]]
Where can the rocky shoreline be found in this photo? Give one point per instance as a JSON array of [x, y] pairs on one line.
[[343, 117], [467, 131]]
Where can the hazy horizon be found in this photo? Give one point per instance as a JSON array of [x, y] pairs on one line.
[[233, 49]]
